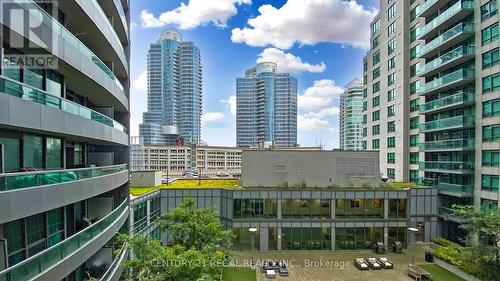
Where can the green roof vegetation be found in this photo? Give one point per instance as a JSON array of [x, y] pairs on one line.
[[187, 183], [439, 273], [238, 274]]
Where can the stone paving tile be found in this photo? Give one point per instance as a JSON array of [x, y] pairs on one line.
[[336, 265]]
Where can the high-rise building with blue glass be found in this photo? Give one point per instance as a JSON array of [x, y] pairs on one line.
[[266, 107], [174, 92]]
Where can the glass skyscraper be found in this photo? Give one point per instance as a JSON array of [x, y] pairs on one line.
[[266, 110], [174, 92], [351, 116]]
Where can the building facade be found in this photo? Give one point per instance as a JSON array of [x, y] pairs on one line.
[[64, 144], [266, 107], [351, 116], [174, 92], [431, 87]]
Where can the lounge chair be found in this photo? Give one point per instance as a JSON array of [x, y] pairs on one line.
[[385, 263], [283, 270], [373, 264], [360, 264]]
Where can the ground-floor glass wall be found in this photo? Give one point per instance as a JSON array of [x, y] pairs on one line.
[[243, 239], [351, 238], [314, 238]]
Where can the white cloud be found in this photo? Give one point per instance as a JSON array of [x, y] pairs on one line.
[[231, 103], [141, 82], [133, 25], [325, 112], [319, 96], [211, 117], [195, 13], [288, 62], [308, 22], [313, 124]]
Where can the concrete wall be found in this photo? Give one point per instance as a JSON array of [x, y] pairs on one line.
[[314, 168], [146, 178]]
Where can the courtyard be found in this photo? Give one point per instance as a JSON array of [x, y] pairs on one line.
[[339, 265]]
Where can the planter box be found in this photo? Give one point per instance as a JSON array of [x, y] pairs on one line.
[[453, 269]]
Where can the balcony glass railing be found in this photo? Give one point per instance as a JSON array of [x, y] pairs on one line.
[[458, 52], [110, 26], [426, 182], [443, 124], [14, 181], [446, 15], [449, 34], [457, 144], [449, 166], [37, 264], [115, 264], [455, 99], [123, 18], [29, 93], [455, 76], [57, 28], [464, 190], [426, 5]]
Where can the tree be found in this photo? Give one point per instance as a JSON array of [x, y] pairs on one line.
[[198, 228], [197, 252], [482, 241]]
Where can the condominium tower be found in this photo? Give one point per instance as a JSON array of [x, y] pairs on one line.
[[351, 116], [64, 144], [174, 92], [266, 107], [432, 86]]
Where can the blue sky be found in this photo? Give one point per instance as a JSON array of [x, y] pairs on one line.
[[322, 42]]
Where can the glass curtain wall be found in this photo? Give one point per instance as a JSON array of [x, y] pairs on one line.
[[306, 238], [255, 208], [354, 238], [359, 208], [305, 208]]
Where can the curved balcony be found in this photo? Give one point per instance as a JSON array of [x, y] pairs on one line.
[[456, 122], [72, 51], [456, 12], [32, 94], [114, 272], [430, 7], [58, 261], [460, 99], [448, 39], [102, 31], [448, 145], [454, 79], [28, 193], [448, 60], [447, 167]]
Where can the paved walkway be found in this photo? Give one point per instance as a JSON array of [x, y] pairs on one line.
[[335, 265]]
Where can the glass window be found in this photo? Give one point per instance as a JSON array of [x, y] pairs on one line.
[[414, 33], [376, 58], [365, 105], [391, 110], [491, 83], [391, 142], [391, 63], [376, 26], [35, 228], [397, 208], [391, 12], [391, 46], [413, 140], [376, 101], [12, 154], [365, 145], [376, 115], [414, 52], [414, 122], [391, 29], [32, 151], [414, 12], [365, 132], [376, 87], [375, 43], [376, 144], [391, 127], [391, 79], [488, 10], [375, 130], [489, 183], [14, 233], [391, 173], [54, 153], [491, 108], [34, 77], [414, 105], [491, 58], [489, 34], [414, 87], [391, 95], [491, 158], [414, 176], [376, 73], [414, 69], [54, 83], [414, 158], [491, 133], [391, 158]]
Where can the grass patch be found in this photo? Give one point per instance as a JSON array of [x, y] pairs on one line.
[[184, 183], [439, 273], [238, 274]]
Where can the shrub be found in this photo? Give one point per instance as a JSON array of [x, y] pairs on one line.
[[442, 242], [450, 254]]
